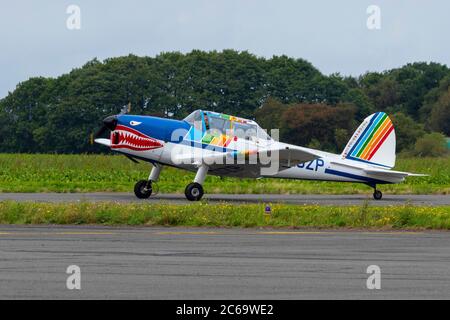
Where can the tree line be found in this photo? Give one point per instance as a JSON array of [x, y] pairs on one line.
[[57, 115]]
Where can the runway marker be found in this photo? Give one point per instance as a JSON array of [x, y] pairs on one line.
[[295, 232], [394, 232], [339, 232], [84, 233], [187, 232]]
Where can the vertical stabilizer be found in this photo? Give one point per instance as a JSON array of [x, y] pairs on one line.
[[373, 142]]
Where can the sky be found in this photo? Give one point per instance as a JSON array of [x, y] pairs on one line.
[[333, 35]]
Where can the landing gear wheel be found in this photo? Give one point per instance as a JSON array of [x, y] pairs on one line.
[[142, 190], [194, 191], [377, 195]]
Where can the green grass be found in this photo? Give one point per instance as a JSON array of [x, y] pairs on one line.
[[226, 215], [88, 173]]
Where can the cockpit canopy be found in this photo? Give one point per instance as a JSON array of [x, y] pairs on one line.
[[219, 123]]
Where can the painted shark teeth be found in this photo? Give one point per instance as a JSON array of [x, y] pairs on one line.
[[124, 137]]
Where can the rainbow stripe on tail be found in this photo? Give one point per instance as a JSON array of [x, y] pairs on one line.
[[373, 142]]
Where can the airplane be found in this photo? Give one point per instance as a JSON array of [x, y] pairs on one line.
[[207, 142]]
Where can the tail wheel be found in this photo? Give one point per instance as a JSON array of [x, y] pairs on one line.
[[194, 191], [143, 189], [377, 195]]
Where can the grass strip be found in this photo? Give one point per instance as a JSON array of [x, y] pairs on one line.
[[90, 173], [226, 215]]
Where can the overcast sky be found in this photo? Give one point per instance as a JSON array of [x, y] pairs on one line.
[[332, 35]]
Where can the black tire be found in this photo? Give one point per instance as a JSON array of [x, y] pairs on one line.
[[141, 191], [377, 195], [194, 191]]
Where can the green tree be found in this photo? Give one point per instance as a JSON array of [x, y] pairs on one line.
[[364, 106], [407, 131], [341, 137], [440, 114], [415, 81], [384, 93], [269, 114], [305, 122], [59, 114], [438, 108], [431, 145]]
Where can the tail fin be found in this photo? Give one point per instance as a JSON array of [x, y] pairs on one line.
[[373, 142]]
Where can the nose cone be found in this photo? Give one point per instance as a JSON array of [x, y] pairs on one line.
[[110, 122]]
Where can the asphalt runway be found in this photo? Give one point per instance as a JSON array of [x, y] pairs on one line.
[[420, 200], [198, 263]]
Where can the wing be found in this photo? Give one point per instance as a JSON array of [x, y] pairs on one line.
[[292, 155], [250, 162]]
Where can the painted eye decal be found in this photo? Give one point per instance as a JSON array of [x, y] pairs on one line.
[[135, 123]]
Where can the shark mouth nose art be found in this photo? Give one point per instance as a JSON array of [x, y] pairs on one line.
[[125, 137]]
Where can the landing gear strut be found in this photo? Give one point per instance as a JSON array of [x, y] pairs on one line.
[[143, 188], [194, 190]]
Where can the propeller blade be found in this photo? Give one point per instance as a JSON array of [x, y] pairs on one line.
[[109, 123], [101, 131]]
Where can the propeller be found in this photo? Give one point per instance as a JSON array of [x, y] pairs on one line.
[[100, 132], [110, 123]]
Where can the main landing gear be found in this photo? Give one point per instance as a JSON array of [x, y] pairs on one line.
[[377, 195], [194, 190], [143, 188]]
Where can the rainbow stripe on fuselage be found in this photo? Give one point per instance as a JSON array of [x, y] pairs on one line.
[[376, 132]]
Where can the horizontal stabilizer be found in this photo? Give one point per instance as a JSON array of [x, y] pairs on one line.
[[380, 172], [392, 173]]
